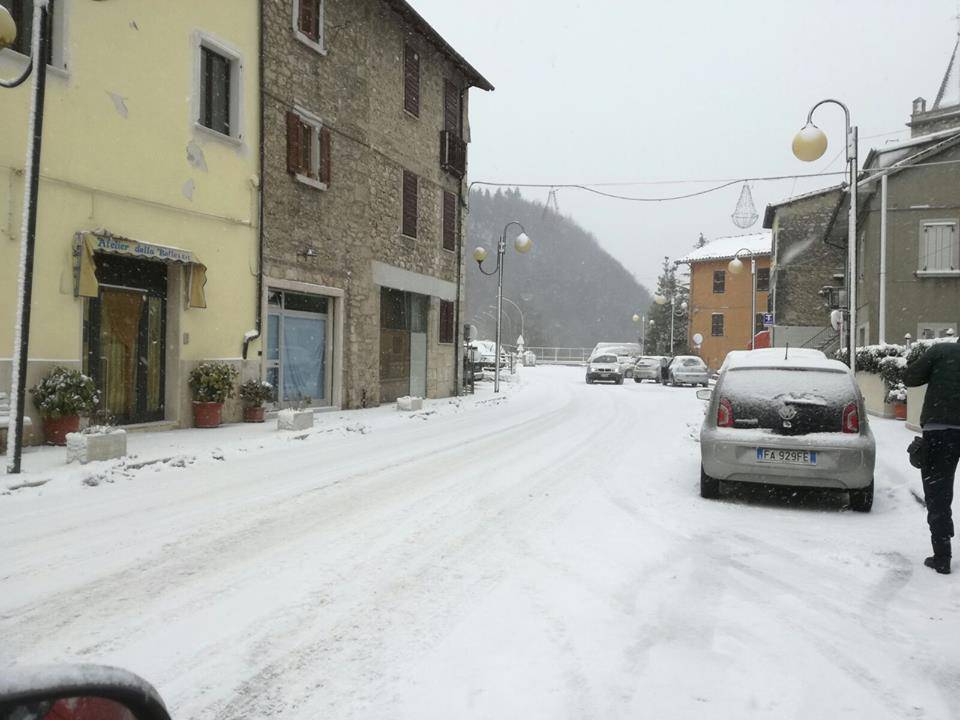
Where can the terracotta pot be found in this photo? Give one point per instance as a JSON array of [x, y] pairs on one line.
[[253, 414], [55, 429], [900, 410], [207, 414]]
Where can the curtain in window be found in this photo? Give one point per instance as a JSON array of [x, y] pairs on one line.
[[304, 349]]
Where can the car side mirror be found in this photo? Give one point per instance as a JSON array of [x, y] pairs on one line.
[[78, 692], [704, 394]]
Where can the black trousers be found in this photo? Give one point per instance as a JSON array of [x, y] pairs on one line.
[[938, 472]]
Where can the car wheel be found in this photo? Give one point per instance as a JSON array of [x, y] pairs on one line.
[[709, 486], [637, 380], [619, 381], [862, 500], [589, 381]]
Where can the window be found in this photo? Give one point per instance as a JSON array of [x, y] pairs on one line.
[[939, 247], [409, 221], [308, 149], [758, 325], [218, 88], [298, 342], [452, 116], [931, 330], [22, 13], [716, 325], [763, 279], [719, 282], [411, 81], [450, 220], [308, 22], [446, 321]]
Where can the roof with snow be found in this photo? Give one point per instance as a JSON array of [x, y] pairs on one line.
[[726, 247]]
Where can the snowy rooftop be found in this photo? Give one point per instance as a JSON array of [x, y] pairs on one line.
[[726, 247]]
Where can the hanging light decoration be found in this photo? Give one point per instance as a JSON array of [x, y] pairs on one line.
[[746, 213]]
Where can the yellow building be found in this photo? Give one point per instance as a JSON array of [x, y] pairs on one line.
[[147, 245]]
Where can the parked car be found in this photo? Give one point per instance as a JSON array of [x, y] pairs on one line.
[[795, 421], [485, 352], [649, 367], [604, 368], [688, 370]]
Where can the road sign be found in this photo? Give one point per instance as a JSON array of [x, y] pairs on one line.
[[768, 319]]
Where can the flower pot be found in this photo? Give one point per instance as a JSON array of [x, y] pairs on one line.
[[55, 429], [900, 410], [99, 446], [253, 414], [207, 414]]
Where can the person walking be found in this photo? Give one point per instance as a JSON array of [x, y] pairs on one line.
[[939, 369]]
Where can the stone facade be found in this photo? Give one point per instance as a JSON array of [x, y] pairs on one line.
[[803, 260], [331, 237]]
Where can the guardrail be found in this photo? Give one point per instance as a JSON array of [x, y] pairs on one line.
[[560, 356]]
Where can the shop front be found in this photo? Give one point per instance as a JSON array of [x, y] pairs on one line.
[[403, 344], [299, 347]]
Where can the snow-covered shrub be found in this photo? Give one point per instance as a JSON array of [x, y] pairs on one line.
[[255, 393], [897, 394], [213, 381], [65, 393]]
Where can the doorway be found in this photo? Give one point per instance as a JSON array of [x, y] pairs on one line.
[[125, 338], [403, 344], [298, 342]]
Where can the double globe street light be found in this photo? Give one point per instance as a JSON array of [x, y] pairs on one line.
[[809, 145], [735, 267], [662, 300], [522, 244]]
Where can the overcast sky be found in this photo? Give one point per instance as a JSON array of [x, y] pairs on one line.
[[635, 90]]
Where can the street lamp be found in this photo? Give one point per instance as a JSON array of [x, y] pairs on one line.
[[735, 267], [522, 244], [641, 320], [508, 300], [808, 145], [662, 300], [28, 232]]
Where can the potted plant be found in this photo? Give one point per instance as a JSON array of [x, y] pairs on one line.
[[254, 393], [62, 396], [211, 384], [898, 397]]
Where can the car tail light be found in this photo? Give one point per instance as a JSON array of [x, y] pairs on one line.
[[851, 418], [724, 413]]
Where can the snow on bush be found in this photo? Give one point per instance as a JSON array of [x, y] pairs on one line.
[[889, 361], [65, 393]]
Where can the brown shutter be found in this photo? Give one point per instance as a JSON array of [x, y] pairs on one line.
[[294, 142], [449, 221], [409, 225], [451, 108], [309, 19], [325, 173], [446, 321], [411, 80]]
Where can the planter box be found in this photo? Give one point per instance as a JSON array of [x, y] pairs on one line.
[[101, 446], [874, 394], [294, 419], [915, 396], [409, 404]]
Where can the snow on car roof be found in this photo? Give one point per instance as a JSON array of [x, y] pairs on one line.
[[734, 356], [792, 360], [726, 247]]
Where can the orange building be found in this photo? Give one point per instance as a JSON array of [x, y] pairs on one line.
[[720, 304]]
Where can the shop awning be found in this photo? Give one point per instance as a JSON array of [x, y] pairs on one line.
[[104, 243]]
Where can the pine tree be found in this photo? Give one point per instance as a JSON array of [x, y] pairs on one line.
[[658, 334]]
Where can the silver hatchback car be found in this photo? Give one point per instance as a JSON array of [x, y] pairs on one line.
[[688, 370], [787, 421]]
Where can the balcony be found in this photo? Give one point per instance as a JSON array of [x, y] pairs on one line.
[[453, 153]]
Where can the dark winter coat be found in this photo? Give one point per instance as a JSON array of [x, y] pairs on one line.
[[939, 369]]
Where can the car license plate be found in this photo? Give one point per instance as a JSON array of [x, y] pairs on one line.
[[787, 457]]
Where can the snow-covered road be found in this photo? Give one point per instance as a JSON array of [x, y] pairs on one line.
[[540, 555]]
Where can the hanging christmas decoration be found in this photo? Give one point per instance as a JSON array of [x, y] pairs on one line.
[[746, 213]]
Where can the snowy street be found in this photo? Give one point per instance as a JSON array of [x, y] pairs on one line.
[[542, 554]]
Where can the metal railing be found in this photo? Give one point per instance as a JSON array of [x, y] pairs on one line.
[[560, 356]]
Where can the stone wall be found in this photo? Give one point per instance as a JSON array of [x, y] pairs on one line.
[[356, 89]]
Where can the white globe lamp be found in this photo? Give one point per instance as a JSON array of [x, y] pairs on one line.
[[810, 143]]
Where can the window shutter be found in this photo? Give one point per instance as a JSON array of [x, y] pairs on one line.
[[449, 221], [409, 225], [294, 142], [451, 108], [325, 173], [411, 80], [308, 21], [446, 321]]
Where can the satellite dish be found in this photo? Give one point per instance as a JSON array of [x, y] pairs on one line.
[[836, 319], [698, 339]]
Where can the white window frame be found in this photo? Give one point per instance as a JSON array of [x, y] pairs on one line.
[[12, 62], [938, 328], [318, 47], [211, 42], [308, 118], [939, 272]]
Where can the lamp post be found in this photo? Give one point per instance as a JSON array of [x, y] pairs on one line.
[[662, 300], [28, 232], [808, 145], [735, 267], [508, 300], [641, 320], [522, 245]]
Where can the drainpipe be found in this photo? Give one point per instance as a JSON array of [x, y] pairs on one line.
[[883, 259], [252, 335], [461, 203]]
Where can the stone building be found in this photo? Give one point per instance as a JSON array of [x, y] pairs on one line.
[[720, 300], [365, 133]]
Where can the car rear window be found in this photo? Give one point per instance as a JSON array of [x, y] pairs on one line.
[[692, 362], [788, 401], [605, 359]]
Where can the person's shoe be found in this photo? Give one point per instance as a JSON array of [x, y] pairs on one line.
[[939, 563], [940, 560]]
